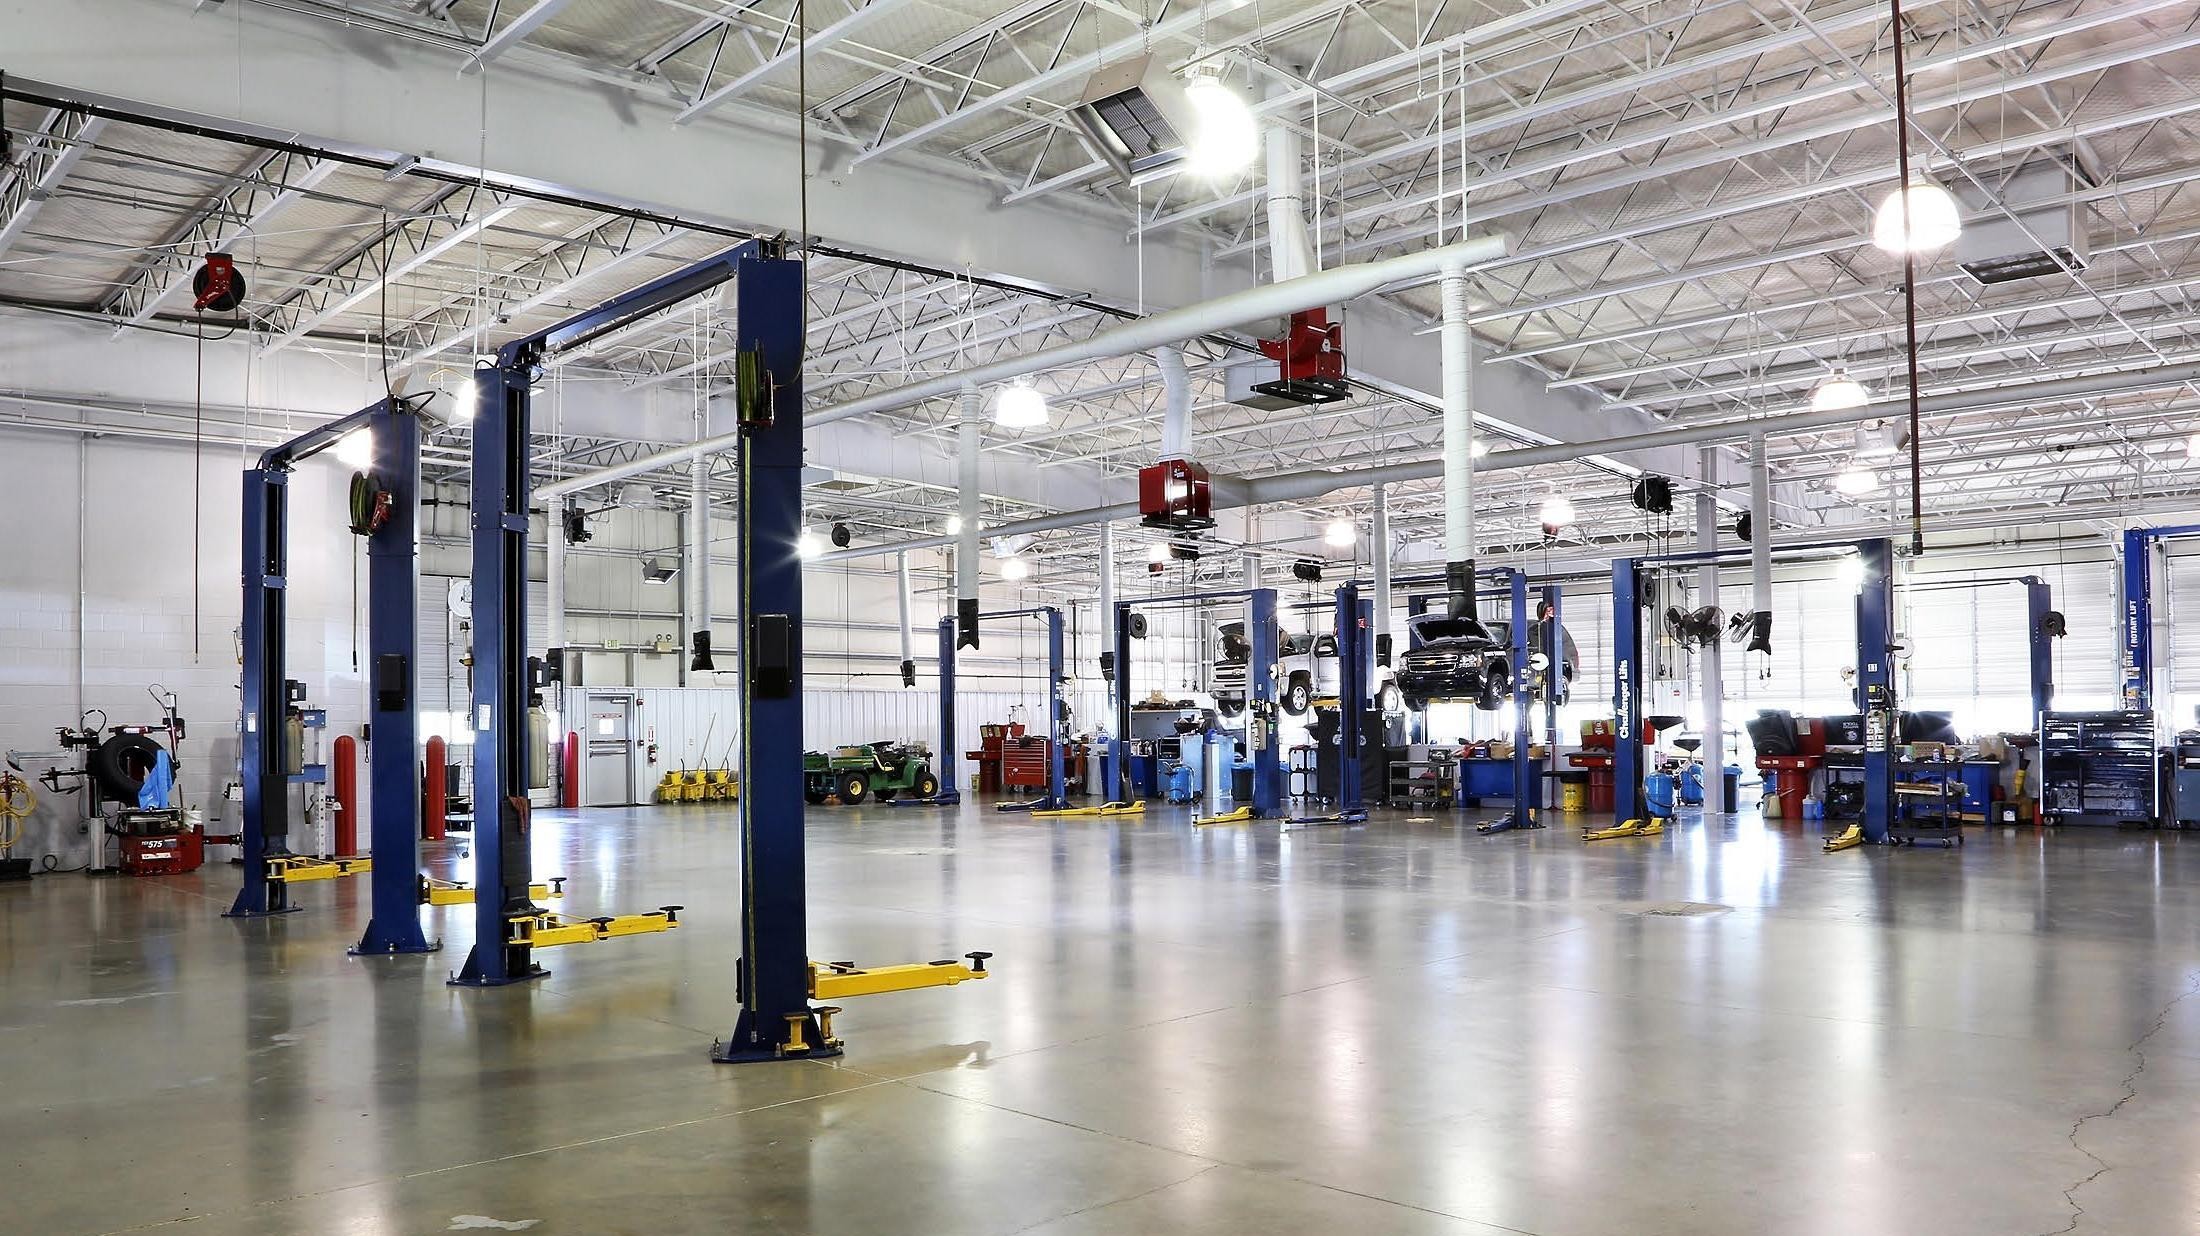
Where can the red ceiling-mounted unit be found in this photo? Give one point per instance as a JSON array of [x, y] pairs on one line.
[[1176, 494], [1311, 357]]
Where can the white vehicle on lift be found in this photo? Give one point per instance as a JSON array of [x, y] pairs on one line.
[[1307, 669]]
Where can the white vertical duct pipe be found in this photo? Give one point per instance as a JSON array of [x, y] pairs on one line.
[[1458, 442], [1107, 601], [1176, 412], [1290, 248], [967, 436], [1249, 559], [1760, 546], [1710, 663], [908, 652], [1379, 548], [554, 587], [698, 589]]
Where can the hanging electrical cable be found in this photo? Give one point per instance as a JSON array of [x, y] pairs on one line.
[[1909, 276]]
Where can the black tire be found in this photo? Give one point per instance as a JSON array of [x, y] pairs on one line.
[[1298, 696], [1495, 680], [854, 788], [1230, 705], [1387, 699], [925, 786], [813, 798], [119, 765], [884, 794]]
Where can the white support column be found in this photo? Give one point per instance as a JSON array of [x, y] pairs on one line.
[[968, 434], [901, 596], [1106, 625], [1709, 664], [1458, 362], [1379, 549]]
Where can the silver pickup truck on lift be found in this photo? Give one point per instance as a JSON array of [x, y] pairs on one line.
[[1307, 669]]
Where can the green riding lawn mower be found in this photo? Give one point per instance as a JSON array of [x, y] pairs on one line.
[[881, 770]]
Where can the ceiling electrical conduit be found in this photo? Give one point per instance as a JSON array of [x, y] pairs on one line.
[[1237, 309], [1302, 486]]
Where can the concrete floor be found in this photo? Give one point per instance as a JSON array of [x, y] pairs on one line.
[[1404, 1028]]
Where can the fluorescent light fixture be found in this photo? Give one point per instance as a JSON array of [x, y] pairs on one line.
[[1875, 441], [1341, 534], [1556, 512], [463, 398], [656, 572], [1935, 220], [356, 449], [1839, 391], [807, 545], [1015, 569], [1225, 139], [1159, 552], [1856, 480], [1020, 405]]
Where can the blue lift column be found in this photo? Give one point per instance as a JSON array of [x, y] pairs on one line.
[[1353, 655], [1554, 682], [949, 771], [1261, 728], [1875, 694], [266, 830], [393, 770], [776, 1020], [2039, 602], [1523, 680], [1630, 806]]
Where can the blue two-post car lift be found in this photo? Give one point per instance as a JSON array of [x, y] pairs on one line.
[[1875, 689], [2137, 687], [1262, 735], [1512, 588], [1057, 797], [270, 866]]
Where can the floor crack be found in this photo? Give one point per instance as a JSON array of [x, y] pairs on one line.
[[2101, 1166]]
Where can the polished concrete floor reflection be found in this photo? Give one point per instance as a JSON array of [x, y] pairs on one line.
[[1401, 1028]]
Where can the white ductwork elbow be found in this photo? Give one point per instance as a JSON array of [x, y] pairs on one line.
[[1176, 415]]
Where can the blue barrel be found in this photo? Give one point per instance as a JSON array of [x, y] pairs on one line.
[[1658, 788]]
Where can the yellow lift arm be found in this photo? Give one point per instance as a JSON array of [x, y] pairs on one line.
[[298, 870], [434, 892]]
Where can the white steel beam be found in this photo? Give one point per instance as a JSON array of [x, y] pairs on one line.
[[413, 245], [515, 32], [62, 140], [847, 26]]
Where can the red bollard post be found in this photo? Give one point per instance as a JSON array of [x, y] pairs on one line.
[[571, 790], [344, 784], [431, 798]]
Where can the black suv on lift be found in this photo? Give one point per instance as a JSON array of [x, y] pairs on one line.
[[1466, 658]]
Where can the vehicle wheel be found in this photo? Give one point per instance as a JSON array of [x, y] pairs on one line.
[[1298, 696], [1229, 706], [854, 788], [884, 795], [1495, 680], [927, 785], [119, 765], [1387, 698], [813, 798]]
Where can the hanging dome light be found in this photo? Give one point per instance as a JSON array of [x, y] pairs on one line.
[[1839, 391], [807, 545], [1935, 220], [1015, 569], [463, 398], [1481, 447], [1020, 406], [1856, 480], [356, 449], [954, 525], [1157, 552], [1341, 534], [1225, 139], [1556, 512], [1850, 571]]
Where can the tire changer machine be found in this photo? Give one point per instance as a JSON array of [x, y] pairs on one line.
[[117, 762]]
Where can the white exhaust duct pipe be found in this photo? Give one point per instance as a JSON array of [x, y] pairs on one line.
[[700, 659], [1760, 547], [908, 649], [1267, 301], [1380, 548], [1107, 606], [1458, 443], [1290, 249], [967, 436], [1176, 414]]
